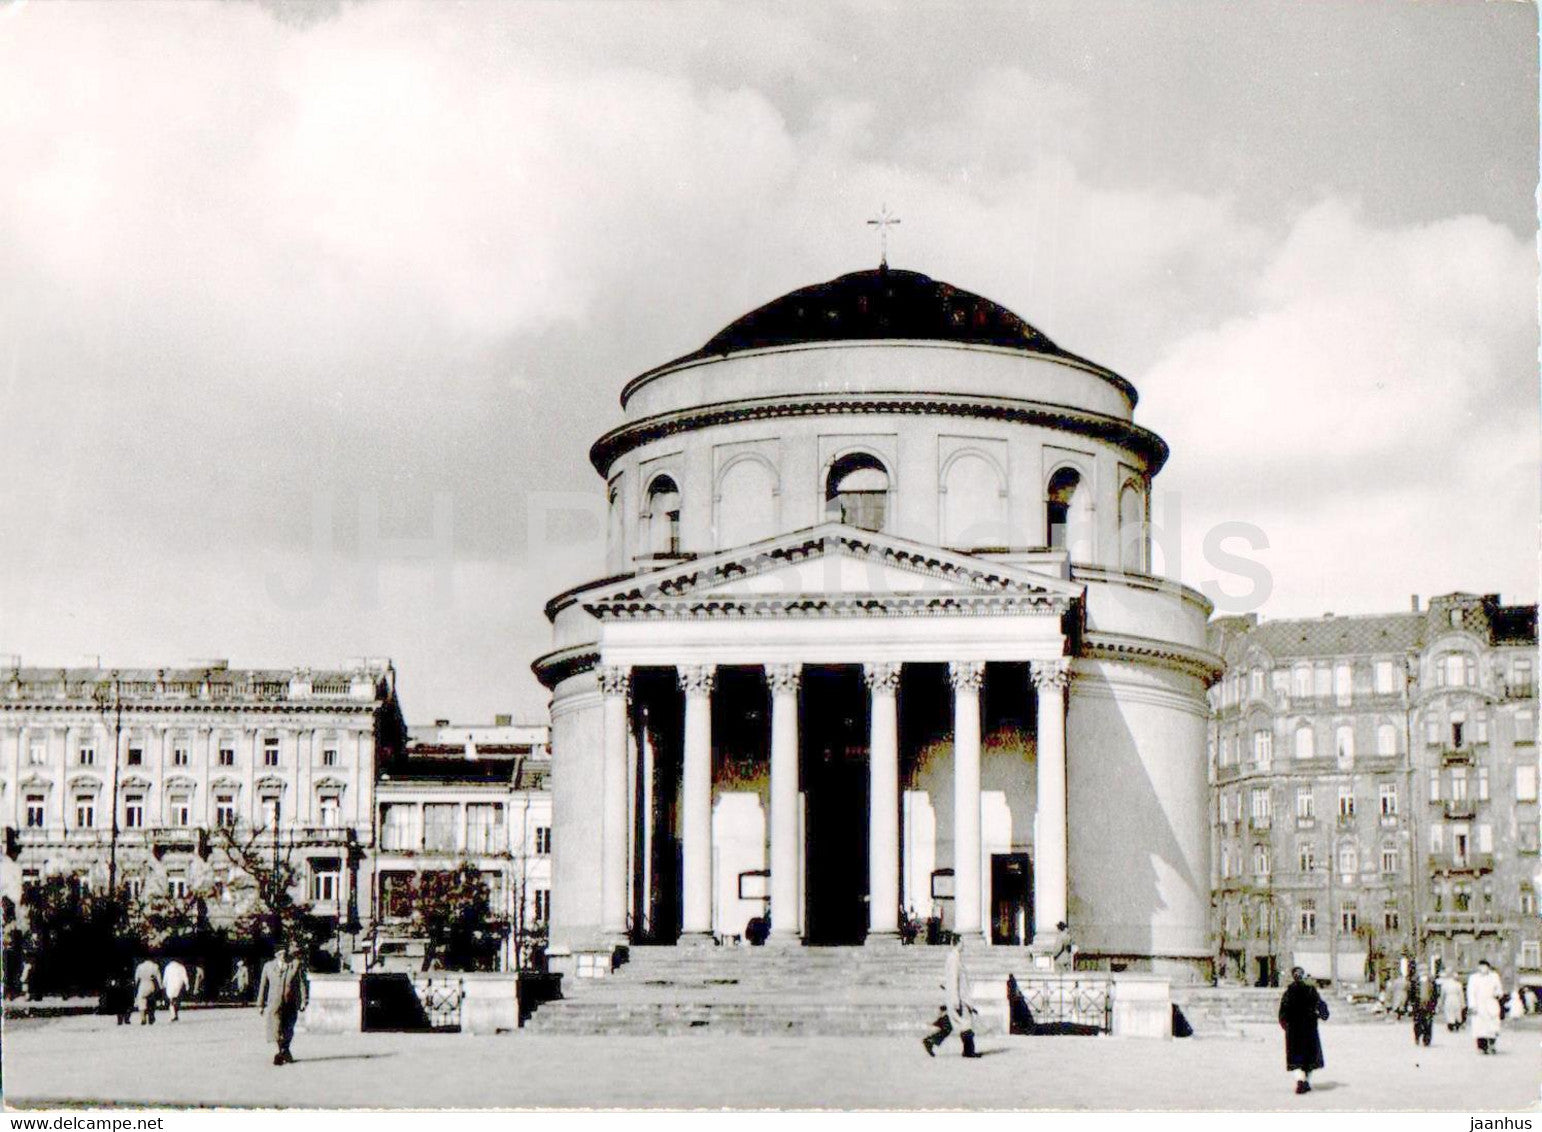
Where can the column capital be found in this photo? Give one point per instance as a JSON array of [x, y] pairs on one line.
[[966, 675], [882, 679], [697, 679], [784, 677], [1053, 674], [615, 680]]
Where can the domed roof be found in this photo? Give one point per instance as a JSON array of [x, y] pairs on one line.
[[882, 303]]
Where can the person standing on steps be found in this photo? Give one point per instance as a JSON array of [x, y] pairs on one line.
[[1301, 1008], [958, 1007]]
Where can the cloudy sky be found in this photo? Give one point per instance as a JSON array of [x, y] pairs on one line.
[[275, 274]]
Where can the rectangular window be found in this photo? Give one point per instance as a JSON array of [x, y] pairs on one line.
[[329, 809], [1521, 684], [1531, 954], [396, 827], [1528, 902], [1485, 838], [1261, 809], [176, 886], [1306, 922], [396, 895], [135, 887], [225, 810], [484, 827], [1301, 682], [326, 880], [1390, 920], [1388, 796], [1385, 684], [1346, 801], [37, 752], [542, 905], [439, 826], [87, 755], [1434, 786], [1389, 859], [1349, 919], [227, 755], [181, 810], [329, 756], [180, 755], [1458, 733], [1480, 731], [134, 811], [542, 840], [1437, 838], [85, 813], [1306, 856], [136, 755], [1460, 844], [1458, 786], [1261, 860], [35, 811], [1349, 860], [1525, 728], [1432, 733], [1526, 782], [1483, 784], [1343, 684], [1256, 683], [270, 810], [1322, 682], [1263, 747], [270, 751], [1306, 803]]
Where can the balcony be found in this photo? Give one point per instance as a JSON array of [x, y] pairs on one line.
[[1306, 822], [1460, 808], [1388, 821], [1463, 922], [1453, 864], [1259, 824], [1457, 756]]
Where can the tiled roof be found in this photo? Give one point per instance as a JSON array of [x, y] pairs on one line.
[[1338, 636]]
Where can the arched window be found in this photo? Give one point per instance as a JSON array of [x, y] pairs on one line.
[[857, 492], [663, 516], [746, 502], [1063, 488], [1132, 529], [1305, 748]]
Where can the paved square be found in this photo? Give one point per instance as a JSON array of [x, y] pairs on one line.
[[217, 1057]]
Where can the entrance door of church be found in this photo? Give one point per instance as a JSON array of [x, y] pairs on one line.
[[1011, 898], [835, 776]]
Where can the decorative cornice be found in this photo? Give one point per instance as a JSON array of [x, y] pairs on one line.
[[966, 675], [823, 605], [1198, 663], [882, 679], [616, 443], [563, 664]]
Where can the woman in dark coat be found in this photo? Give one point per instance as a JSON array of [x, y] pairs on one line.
[[1301, 1008]]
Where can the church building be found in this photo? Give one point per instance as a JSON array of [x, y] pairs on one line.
[[875, 642]]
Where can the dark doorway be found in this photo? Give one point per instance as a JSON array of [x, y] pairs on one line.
[[1011, 898], [834, 757], [658, 719]]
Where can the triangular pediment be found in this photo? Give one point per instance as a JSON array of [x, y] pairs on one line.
[[833, 569]]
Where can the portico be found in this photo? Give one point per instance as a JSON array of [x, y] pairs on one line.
[[760, 612]]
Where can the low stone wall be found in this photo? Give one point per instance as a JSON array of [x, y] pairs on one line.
[[1143, 1006], [490, 1004]]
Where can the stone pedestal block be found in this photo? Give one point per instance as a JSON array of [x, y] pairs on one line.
[[1143, 1006], [335, 1007], [491, 1003]]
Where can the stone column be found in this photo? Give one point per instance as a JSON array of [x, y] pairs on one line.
[[1050, 679], [696, 802], [967, 678], [883, 832], [615, 685], [784, 680]]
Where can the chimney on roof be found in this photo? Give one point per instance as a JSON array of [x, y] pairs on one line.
[[503, 721], [1328, 616], [1413, 602], [441, 723]]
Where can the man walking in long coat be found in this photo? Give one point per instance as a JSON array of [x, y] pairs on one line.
[[958, 1007], [1484, 992], [281, 994], [147, 987], [1301, 1008]]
